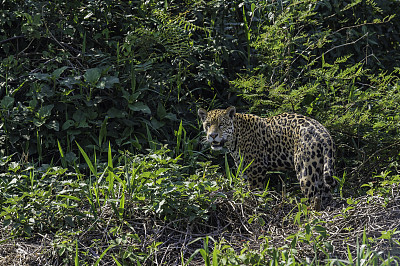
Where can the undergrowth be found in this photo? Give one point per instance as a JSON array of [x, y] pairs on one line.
[[149, 210]]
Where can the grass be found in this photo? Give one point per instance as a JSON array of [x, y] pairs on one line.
[[154, 209]]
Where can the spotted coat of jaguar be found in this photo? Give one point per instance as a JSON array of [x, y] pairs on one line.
[[285, 141]]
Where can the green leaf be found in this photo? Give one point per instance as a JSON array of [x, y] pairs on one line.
[[92, 75], [67, 124], [53, 125], [116, 113], [28, 229], [171, 116], [131, 97], [103, 131], [57, 73], [71, 157], [155, 124], [107, 82], [79, 116], [161, 112], [116, 261], [121, 207], [45, 111], [88, 162], [33, 103], [7, 102], [109, 157], [102, 255], [140, 107], [83, 124], [215, 253], [70, 81], [76, 253], [253, 7], [68, 197], [41, 76], [38, 122], [321, 230], [60, 149]]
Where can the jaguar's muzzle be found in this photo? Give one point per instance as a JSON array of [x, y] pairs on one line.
[[217, 145]]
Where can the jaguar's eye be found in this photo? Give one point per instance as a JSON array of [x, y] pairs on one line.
[[221, 126]]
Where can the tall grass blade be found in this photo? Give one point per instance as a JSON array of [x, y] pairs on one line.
[[215, 255], [103, 132], [121, 208], [90, 199], [76, 253], [178, 135], [102, 255], [205, 252], [39, 145], [32, 178], [111, 175], [228, 171], [239, 166], [63, 161], [116, 261], [88, 162], [110, 161], [84, 44], [191, 257], [150, 139]]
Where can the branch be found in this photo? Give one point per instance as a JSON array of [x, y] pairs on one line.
[[12, 38]]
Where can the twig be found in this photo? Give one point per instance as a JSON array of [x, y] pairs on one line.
[[12, 38]]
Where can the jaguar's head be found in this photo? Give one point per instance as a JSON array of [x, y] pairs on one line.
[[218, 125]]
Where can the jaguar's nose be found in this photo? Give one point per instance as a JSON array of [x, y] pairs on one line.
[[213, 135]]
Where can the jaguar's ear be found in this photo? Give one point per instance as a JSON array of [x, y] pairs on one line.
[[202, 114], [231, 111]]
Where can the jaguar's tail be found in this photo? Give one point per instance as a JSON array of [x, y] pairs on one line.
[[329, 166]]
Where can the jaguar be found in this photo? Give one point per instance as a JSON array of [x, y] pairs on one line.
[[277, 143]]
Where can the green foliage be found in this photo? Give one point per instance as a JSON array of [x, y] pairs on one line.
[[74, 71], [99, 144], [225, 254], [55, 200], [336, 61]]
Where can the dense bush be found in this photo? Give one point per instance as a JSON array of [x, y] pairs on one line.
[[125, 72], [335, 61]]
